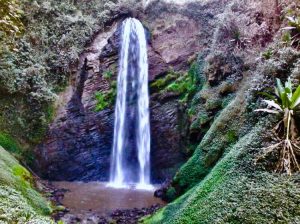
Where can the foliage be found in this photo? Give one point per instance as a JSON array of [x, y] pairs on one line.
[[231, 136], [294, 23], [293, 28], [24, 174], [185, 85], [238, 40], [11, 25], [108, 75], [102, 102], [161, 83], [286, 104], [7, 142], [268, 54], [106, 99], [47, 40], [286, 39]]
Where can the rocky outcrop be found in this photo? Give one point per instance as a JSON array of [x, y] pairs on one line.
[[79, 141]]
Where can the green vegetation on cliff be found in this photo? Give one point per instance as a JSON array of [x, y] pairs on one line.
[[221, 182], [107, 98], [40, 43], [235, 192]]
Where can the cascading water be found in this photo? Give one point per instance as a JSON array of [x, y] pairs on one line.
[[131, 145]]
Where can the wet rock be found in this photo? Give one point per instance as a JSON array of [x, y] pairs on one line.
[[133, 215], [161, 192]]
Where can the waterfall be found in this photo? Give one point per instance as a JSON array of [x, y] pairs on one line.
[[130, 161]]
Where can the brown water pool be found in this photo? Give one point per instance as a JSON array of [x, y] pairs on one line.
[[100, 198]]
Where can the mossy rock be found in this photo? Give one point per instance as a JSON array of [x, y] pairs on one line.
[[235, 192], [19, 201]]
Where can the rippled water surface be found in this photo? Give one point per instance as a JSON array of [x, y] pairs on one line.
[[99, 197]]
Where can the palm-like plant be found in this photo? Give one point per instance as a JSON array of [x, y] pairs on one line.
[[294, 28], [285, 103]]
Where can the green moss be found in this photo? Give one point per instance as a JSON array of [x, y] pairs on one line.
[[19, 201], [171, 193], [212, 147], [227, 100], [268, 54], [102, 102], [236, 192], [192, 111], [185, 85], [20, 171], [107, 98], [231, 136], [213, 104], [7, 142], [202, 119], [50, 112], [196, 72]]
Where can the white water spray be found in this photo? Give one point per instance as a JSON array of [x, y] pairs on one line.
[[130, 163]]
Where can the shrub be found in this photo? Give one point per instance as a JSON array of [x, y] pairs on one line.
[[101, 101], [47, 38], [108, 75], [106, 99], [11, 25]]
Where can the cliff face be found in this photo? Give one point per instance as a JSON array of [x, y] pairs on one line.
[[78, 143]]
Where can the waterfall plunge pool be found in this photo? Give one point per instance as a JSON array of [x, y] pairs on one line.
[[100, 198]]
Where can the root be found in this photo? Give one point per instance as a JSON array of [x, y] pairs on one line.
[[288, 151]]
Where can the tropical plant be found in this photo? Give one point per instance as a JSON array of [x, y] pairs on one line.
[[286, 104], [294, 28], [294, 23]]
